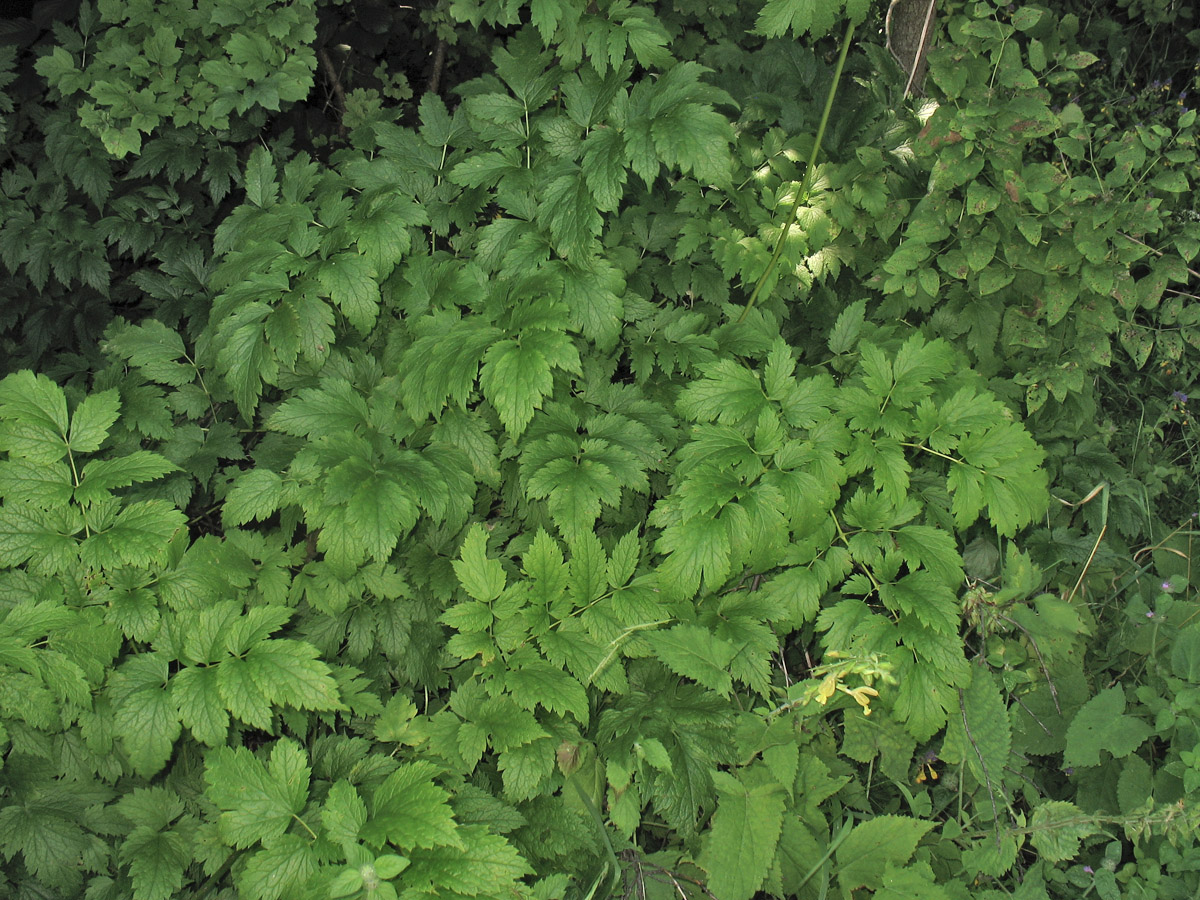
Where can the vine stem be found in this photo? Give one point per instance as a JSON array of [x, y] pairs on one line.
[[806, 183]]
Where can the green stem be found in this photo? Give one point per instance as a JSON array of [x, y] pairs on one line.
[[806, 184]]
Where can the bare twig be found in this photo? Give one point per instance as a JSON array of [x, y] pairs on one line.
[[335, 86], [439, 63]]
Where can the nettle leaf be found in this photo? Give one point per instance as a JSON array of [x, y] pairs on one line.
[[980, 734], [1058, 827], [257, 802]]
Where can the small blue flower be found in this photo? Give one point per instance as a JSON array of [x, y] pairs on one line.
[[1089, 870], [1180, 396]]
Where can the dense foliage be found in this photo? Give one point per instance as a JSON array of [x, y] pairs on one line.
[[595, 449]]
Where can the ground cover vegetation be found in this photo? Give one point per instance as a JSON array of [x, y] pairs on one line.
[[599, 449]]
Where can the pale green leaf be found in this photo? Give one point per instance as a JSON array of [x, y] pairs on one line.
[[740, 845], [873, 844], [1101, 725]]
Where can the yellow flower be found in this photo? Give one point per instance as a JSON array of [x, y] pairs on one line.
[[827, 688], [862, 696]]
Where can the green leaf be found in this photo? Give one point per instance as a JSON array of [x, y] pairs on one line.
[[516, 374], [28, 534], [257, 802], [980, 734], [289, 673], [1101, 725], [845, 332], [570, 213], [343, 813], [336, 406], [538, 682], [482, 578], [283, 867], [245, 356], [100, 476], [698, 547], [154, 348], [933, 548], [350, 280], [873, 844], [604, 167], [33, 417], [728, 393], [138, 536], [201, 706], [740, 845], [410, 811], [910, 883], [92, 419], [46, 485], [1058, 827], [576, 485], [157, 860], [1185, 654], [696, 653], [146, 717], [255, 495], [478, 864], [261, 189]]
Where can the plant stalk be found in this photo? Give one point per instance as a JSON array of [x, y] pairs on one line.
[[806, 183]]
